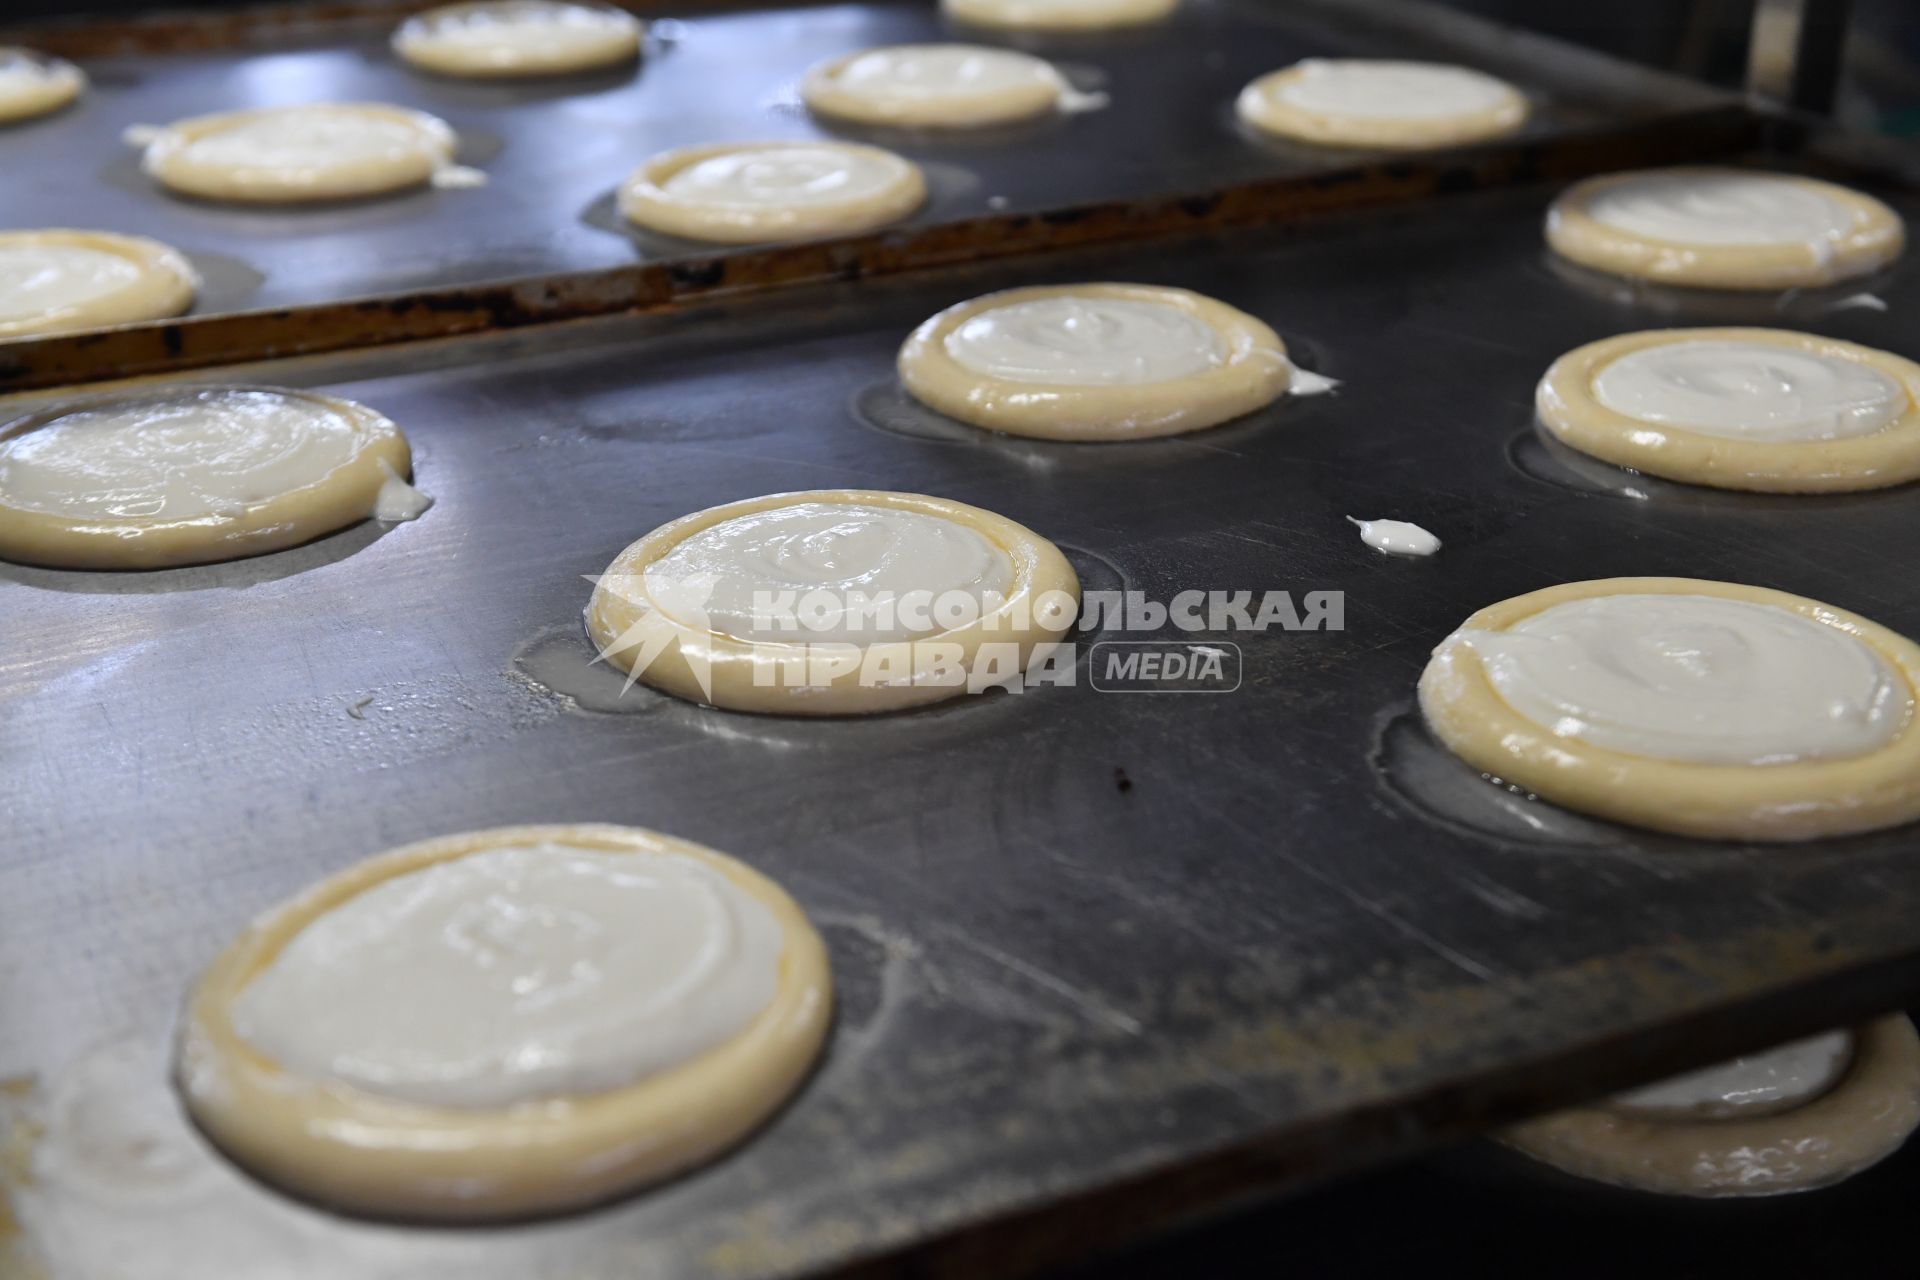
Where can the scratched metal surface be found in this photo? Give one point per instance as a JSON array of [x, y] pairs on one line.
[[1102, 958], [555, 151]]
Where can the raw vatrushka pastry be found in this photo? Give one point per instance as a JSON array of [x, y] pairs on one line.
[[506, 1022], [1363, 102], [754, 192], [60, 281]]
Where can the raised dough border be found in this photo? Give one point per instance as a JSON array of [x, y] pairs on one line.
[[1038, 568], [1889, 456], [414, 44], [384, 1156], [824, 95], [1260, 108], [645, 202], [1803, 800], [1021, 15], [1717, 1158], [164, 289], [1877, 238], [344, 496], [1255, 374], [165, 159]]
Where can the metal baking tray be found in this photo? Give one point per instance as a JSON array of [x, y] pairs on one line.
[[1103, 958], [555, 150]]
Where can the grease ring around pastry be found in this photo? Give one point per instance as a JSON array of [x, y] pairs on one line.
[[1254, 373], [1863, 1119], [345, 495], [1035, 90], [1058, 15], [1570, 409], [417, 147], [33, 84], [390, 1156], [1263, 105], [1874, 237], [627, 625], [163, 285], [647, 200], [578, 37], [1800, 800]]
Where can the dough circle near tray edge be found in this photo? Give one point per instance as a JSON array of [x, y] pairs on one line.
[[165, 287], [166, 159], [1037, 15], [645, 202], [62, 83], [390, 1157], [1038, 568], [1889, 456], [415, 43], [1260, 108], [1877, 238], [1802, 800], [1876, 1103], [823, 93], [1256, 373], [344, 496]]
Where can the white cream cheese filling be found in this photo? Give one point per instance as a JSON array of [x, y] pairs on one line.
[[176, 456], [1772, 1080], [1722, 209], [44, 279], [1369, 89], [298, 143], [1750, 391], [23, 75], [1396, 537], [1086, 342], [1696, 678], [923, 73], [515, 974], [777, 177], [822, 572], [508, 33]]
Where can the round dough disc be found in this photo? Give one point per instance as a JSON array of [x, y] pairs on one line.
[[507, 39], [1723, 228], [635, 633], [1859, 1122], [1057, 15], [933, 86], [1364, 102], [32, 84], [189, 476], [288, 155], [1890, 455], [390, 1156], [61, 281], [1800, 800], [755, 192], [1247, 370]]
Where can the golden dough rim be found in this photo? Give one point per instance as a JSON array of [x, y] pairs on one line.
[[1803, 800], [1877, 238], [1259, 107], [414, 45], [1889, 456], [390, 1157], [165, 159], [344, 496], [644, 201], [64, 83], [1038, 569], [1880, 1091], [1255, 374], [1017, 15], [165, 288], [823, 94]]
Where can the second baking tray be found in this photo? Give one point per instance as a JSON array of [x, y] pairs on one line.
[[555, 150], [1103, 957]]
